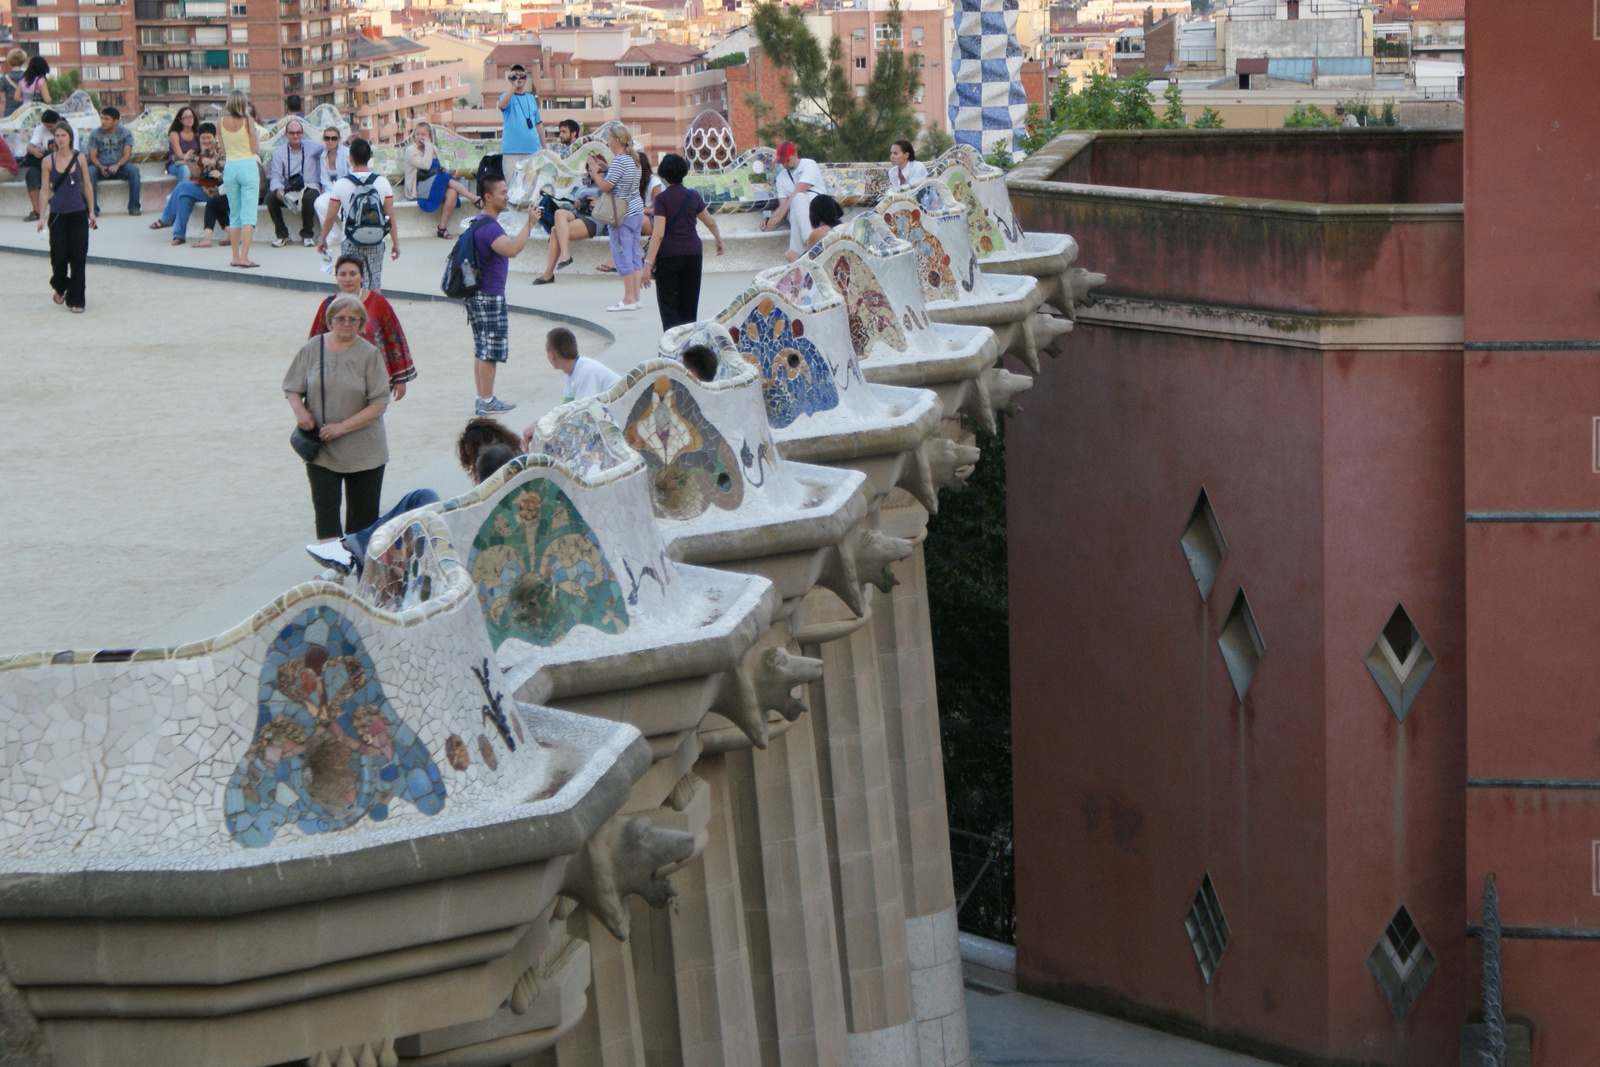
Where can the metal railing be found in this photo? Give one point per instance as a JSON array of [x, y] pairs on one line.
[[985, 885]]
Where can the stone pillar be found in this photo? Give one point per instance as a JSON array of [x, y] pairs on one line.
[[864, 853], [776, 808], [904, 641], [609, 1033], [711, 960]]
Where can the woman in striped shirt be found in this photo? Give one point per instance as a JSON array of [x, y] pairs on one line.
[[622, 181]]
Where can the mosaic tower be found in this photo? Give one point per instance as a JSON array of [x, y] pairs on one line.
[[988, 104]]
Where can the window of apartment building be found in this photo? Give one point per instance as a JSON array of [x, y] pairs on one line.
[[110, 99], [861, 92], [238, 11], [157, 9], [239, 34], [858, 35], [40, 24], [99, 48], [241, 82], [210, 35], [97, 73], [205, 9], [886, 36], [861, 62], [49, 48], [916, 37], [99, 22], [241, 60], [916, 60], [633, 70], [163, 35]]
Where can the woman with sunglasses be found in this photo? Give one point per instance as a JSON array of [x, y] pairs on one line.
[[335, 165], [338, 388]]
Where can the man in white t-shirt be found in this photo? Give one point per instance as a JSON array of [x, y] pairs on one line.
[[585, 377], [797, 182], [343, 196]]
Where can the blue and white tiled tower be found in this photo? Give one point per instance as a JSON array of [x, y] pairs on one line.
[[988, 105]]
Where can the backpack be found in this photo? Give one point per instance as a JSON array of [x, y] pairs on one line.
[[461, 266], [364, 220]]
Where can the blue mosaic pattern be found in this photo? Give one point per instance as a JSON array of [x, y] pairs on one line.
[[795, 379], [329, 748], [987, 105], [585, 443], [714, 336]]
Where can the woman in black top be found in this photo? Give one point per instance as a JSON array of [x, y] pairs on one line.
[[674, 257], [69, 212]]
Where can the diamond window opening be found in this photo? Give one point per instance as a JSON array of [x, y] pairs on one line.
[[1207, 928], [1203, 544], [1400, 661], [1402, 963], [1240, 641]]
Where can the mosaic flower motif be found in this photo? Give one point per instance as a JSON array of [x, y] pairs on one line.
[[795, 379], [933, 265], [329, 747], [539, 578], [403, 575], [691, 464], [871, 316], [986, 236]]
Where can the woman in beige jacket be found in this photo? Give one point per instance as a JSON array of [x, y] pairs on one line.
[[428, 183]]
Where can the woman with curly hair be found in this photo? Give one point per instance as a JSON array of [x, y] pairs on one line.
[[482, 433]]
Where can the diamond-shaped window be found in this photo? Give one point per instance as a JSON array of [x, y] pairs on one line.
[[1402, 963], [1241, 645], [1207, 928], [1203, 544], [1400, 661]]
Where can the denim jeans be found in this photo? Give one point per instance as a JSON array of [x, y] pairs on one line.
[[128, 172], [357, 542], [180, 204], [180, 171]]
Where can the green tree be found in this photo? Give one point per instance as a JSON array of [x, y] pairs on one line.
[[934, 143], [1173, 118], [1305, 115], [1210, 119], [732, 59], [826, 119], [66, 82]]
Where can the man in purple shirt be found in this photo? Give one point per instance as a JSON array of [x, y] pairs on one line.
[[486, 309]]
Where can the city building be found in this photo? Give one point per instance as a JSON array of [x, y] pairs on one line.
[[396, 84], [1294, 30], [163, 53], [473, 51]]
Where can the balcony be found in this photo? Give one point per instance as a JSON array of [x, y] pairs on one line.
[[205, 9]]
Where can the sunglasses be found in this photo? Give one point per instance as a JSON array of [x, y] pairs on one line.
[[331, 140], [519, 77], [347, 319]]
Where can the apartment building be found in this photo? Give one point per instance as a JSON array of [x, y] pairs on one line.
[[396, 84], [164, 53], [924, 37], [94, 37]]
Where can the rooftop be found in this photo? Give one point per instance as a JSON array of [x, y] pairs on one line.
[[662, 52]]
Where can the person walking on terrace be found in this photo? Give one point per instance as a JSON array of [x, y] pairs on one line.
[[41, 142], [111, 156], [338, 387], [621, 182], [486, 309], [383, 325], [292, 183], [428, 183], [797, 181], [519, 119], [364, 203], [241, 177], [676, 255], [69, 214]]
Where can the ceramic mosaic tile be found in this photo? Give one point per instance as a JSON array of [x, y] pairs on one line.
[[986, 233], [539, 569], [933, 263], [987, 104], [708, 143], [583, 437], [796, 379], [715, 336], [692, 466], [402, 575], [329, 749], [873, 319]]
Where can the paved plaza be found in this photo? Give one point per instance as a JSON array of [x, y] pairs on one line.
[[151, 496]]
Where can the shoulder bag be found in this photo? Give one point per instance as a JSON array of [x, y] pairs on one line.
[[307, 443]]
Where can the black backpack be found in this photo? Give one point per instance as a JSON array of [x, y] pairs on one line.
[[461, 268]]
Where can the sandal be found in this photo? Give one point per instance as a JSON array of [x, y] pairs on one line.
[[442, 233], [32, 216], [60, 298], [204, 242], [603, 269], [160, 225], [179, 241]]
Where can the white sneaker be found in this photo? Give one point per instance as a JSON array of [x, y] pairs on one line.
[[625, 307], [334, 554], [279, 242]]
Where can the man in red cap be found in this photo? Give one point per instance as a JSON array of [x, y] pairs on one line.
[[797, 181]]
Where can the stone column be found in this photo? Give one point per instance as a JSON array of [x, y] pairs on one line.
[[710, 954], [904, 641], [864, 853], [776, 808], [609, 1034]]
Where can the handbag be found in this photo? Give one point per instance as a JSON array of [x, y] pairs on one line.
[[606, 210], [307, 443]]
